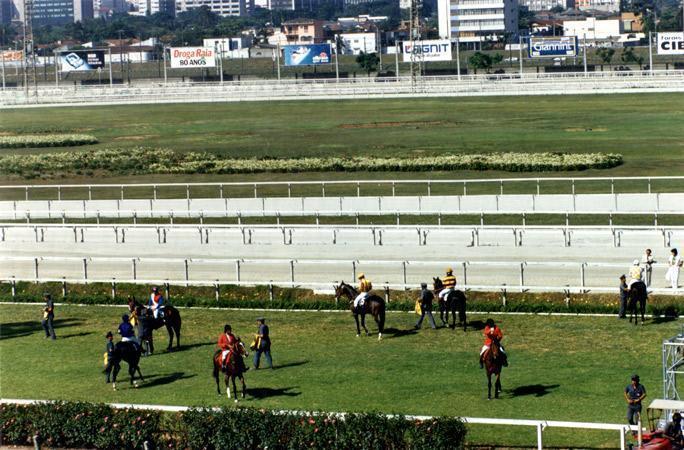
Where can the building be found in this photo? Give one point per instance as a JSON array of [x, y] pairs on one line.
[[287, 5], [610, 6], [220, 7], [6, 12], [631, 23], [355, 43], [149, 7], [304, 31], [83, 10], [546, 5], [593, 29], [476, 20], [51, 12]]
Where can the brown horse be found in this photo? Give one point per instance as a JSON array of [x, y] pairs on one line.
[[455, 301], [233, 369], [638, 294], [374, 305], [493, 362], [171, 320]]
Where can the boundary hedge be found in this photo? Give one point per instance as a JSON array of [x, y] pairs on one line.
[[90, 425], [46, 140]]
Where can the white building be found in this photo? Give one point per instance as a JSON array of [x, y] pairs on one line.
[[612, 6], [220, 7], [476, 20], [355, 43], [235, 47], [593, 29], [149, 7], [546, 5]]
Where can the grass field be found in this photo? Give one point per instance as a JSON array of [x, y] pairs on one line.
[[562, 368], [641, 127]]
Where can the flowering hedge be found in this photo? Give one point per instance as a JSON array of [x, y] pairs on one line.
[[46, 140], [163, 161], [87, 425]]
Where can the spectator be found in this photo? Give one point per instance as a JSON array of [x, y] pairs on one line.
[[263, 344], [648, 262], [624, 297], [673, 432], [674, 265], [426, 298], [634, 394], [49, 317], [109, 348]]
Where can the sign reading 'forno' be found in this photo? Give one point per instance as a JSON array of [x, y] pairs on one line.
[[544, 47], [188, 57], [671, 43], [435, 50], [307, 54]]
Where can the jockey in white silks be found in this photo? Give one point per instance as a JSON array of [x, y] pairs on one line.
[[156, 303]]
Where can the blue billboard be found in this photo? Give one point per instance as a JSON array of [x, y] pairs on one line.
[[549, 47], [307, 54]]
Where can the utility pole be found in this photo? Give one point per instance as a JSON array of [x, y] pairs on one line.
[[414, 38]]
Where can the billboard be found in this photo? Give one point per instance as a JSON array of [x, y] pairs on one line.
[[82, 60], [550, 47], [189, 57], [11, 56], [307, 54], [436, 50], [671, 43]]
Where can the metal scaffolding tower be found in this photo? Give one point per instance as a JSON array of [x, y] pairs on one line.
[[673, 365], [29, 47], [415, 38]]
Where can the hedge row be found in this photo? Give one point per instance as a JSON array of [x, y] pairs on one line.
[[88, 425], [283, 298], [46, 140], [141, 161]]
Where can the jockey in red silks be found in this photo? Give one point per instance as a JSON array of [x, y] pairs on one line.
[[226, 342], [492, 332], [156, 303]]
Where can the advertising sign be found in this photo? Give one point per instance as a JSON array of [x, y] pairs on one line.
[[307, 54], [550, 47], [437, 50], [11, 56], [82, 60], [188, 57], [671, 43]]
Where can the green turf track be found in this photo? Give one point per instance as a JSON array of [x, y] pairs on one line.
[[562, 368]]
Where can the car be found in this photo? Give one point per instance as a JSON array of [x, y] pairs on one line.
[[658, 414]]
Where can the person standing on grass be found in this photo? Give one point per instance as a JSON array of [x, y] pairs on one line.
[[635, 393], [648, 263], [109, 348], [263, 344], [426, 297], [624, 296], [49, 317], [674, 266]]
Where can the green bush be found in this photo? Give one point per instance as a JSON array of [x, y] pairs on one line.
[[47, 140], [87, 425]]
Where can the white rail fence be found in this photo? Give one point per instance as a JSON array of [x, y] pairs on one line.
[[290, 188], [308, 273], [370, 235], [539, 425]]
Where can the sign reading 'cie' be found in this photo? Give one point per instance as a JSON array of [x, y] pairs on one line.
[[671, 43]]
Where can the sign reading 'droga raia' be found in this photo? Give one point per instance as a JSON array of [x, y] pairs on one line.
[[188, 57]]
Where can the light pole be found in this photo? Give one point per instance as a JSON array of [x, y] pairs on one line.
[[121, 54]]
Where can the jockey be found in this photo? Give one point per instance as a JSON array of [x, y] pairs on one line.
[[126, 330], [492, 332], [226, 342], [449, 283], [156, 303], [365, 287], [636, 273]]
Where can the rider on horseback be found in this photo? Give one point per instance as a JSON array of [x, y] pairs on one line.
[[156, 303], [365, 287], [126, 331], [449, 284], [491, 333], [636, 273], [228, 343]]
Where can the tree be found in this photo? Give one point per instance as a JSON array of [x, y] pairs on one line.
[[557, 9], [525, 18], [628, 56], [606, 55], [479, 60], [368, 61]]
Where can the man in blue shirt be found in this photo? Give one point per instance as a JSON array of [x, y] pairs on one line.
[[263, 344], [635, 392], [126, 331]]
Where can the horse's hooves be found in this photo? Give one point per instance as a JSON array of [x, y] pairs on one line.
[[236, 400], [358, 335]]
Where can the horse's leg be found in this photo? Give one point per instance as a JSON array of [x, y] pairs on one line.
[[216, 377], [642, 305], [232, 379], [497, 386], [227, 380], [177, 331], [131, 372], [244, 386], [140, 373], [115, 372], [169, 330], [363, 323], [358, 328], [489, 385]]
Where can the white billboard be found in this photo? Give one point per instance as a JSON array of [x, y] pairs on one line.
[[435, 50], [671, 43], [188, 57]]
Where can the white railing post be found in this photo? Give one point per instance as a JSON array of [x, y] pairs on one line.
[[540, 430]]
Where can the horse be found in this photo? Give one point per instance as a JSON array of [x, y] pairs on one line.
[[233, 369], [374, 305], [171, 320], [455, 301], [129, 352], [637, 294], [493, 362]]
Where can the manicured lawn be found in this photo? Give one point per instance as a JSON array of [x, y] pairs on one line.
[[562, 368]]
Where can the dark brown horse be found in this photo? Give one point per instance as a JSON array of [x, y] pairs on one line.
[[374, 305], [493, 362], [129, 352], [455, 301], [232, 369], [171, 320], [638, 294]]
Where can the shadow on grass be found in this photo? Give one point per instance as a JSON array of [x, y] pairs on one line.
[[183, 347], [21, 329], [161, 380], [290, 364], [261, 393], [538, 390], [663, 319], [395, 333]]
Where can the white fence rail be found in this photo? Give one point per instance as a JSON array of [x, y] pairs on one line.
[[309, 273], [289, 188], [539, 425]]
